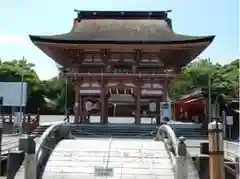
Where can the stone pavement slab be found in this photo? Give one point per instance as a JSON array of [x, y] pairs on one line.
[[114, 158]]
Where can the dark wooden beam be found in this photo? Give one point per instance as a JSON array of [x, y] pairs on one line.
[[121, 75]]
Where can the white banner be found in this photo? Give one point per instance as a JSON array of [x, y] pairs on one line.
[[229, 120]]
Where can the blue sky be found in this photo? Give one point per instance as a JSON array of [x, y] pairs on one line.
[[18, 18]]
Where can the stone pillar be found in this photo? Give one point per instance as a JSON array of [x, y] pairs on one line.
[[216, 150], [204, 148], [14, 162], [28, 145], [237, 167], [76, 102], [181, 160], [202, 161]]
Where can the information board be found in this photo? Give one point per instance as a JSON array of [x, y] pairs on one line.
[[103, 172], [152, 107], [229, 120], [13, 93]]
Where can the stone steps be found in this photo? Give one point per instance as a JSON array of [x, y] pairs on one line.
[[123, 131]]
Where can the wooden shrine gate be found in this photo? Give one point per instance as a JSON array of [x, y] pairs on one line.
[[92, 92], [115, 50]]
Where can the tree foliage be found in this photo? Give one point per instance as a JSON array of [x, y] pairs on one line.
[[225, 78], [49, 95]]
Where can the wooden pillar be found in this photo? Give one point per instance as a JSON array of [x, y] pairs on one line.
[[138, 104], [105, 119], [135, 69], [103, 102], [103, 107], [81, 109], [76, 103], [165, 90], [216, 150], [157, 109]]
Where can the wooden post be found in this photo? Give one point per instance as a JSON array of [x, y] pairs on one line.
[[216, 150], [165, 95], [38, 117], [81, 109], [106, 109], [103, 105], [138, 108], [158, 110], [138, 104]]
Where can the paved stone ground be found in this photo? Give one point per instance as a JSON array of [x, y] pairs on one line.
[[127, 158]]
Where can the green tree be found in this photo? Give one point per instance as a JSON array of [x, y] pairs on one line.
[[196, 75], [56, 92]]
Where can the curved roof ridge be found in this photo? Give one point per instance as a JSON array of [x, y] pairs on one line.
[[124, 14]]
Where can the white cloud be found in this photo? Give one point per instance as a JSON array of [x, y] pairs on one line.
[[9, 39]]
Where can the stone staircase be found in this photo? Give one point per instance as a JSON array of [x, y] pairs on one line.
[[114, 130], [124, 131], [40, 130], [190, 133], [131, 131]]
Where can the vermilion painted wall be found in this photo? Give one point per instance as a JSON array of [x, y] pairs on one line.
[[189, 110]]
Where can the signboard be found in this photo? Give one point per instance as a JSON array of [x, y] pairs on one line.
[[17, 120], [88, 105], [13, 93], [102, 171], [229, 120], [152, 107]]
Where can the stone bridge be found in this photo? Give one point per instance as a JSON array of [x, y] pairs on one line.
[[59, 155]]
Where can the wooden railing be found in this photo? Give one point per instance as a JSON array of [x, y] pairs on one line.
[[30, 121]]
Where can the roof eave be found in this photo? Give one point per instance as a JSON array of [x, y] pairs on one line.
[[35, 39]]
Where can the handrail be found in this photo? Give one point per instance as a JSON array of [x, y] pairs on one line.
[[183, 165], [231, 150], [172, 139], [44, 136], [47, 142]]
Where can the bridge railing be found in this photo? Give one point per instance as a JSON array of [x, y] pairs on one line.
[[231, 150], [47, 142], [184, 167]]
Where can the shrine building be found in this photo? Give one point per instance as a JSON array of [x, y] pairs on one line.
[[114, 58]]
